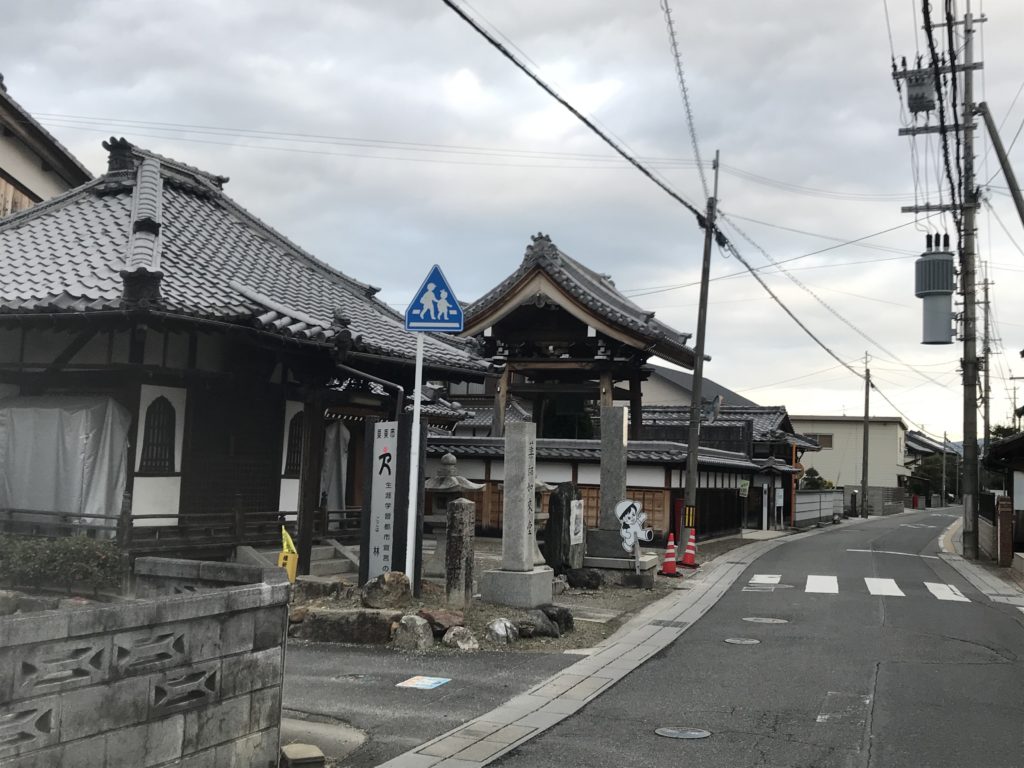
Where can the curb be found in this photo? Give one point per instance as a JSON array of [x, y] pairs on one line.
[[990, 584], [487, 737]]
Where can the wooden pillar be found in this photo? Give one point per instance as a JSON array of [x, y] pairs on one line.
[[500, 403], [607, 388], [309, 476], [636, 417]]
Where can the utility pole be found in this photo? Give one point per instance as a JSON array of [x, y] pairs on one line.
[[696, 403], [986, 389], [970, 361], [943, 468], [867, 425], [920, 99]]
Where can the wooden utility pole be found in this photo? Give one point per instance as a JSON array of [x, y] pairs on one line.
[[696, 403], [867, 430]]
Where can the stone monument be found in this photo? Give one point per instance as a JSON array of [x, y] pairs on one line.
[[459, 549], [565, 539], [519, 582], [604, 543]]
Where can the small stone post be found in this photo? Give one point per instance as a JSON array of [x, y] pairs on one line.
[[459, 551]]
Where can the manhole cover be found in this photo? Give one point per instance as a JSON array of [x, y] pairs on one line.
[[765, 620], [683, 733], [742, 640]]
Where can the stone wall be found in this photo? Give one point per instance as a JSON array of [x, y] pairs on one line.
[[189, 674]]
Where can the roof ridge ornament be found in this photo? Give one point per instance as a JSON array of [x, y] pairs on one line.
[[120, 154], [141, 276], [541, 248]]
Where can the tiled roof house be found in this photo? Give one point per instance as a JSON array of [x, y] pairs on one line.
[[200, 344]]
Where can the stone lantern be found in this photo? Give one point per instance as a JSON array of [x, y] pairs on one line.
[[446, 485]]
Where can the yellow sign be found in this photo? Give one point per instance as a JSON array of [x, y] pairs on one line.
[[286, 543]]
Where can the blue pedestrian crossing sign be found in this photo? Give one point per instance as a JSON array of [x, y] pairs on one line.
[[434, 307]]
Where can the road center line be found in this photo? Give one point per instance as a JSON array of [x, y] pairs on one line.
[[888, 552], [823, 584], [883, 587]]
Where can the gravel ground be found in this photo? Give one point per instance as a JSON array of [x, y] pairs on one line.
[[624, 601]]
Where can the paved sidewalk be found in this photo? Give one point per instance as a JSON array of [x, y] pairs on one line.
[[997, 584], [524, 717]]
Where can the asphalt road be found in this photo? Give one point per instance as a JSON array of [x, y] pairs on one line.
[[356, 685], [930, 677]]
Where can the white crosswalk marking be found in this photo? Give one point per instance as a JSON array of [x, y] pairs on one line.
[[766, 578], [1020, 608], [946, 592], [885, 587], [824, 584]]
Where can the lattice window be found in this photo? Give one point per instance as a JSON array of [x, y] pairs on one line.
[[158, 439], [293, 451]]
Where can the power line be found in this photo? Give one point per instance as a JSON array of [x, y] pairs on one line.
[[681, 77]]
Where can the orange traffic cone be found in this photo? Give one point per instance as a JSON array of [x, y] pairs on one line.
[[690, 555], [668, 566]]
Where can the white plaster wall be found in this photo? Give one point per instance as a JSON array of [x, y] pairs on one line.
[[842, 464], [291, 407], [154, 496], [589, 474], [659, 391], [555, 472], [27, 167], [643, 476], [177, 397], [289, 499]]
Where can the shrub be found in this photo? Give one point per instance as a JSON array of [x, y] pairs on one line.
[[76, 563]]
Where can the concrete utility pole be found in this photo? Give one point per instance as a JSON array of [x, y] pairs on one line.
[[970, 361], [986, 388], [867, 429], [943, 469], [696, 403]]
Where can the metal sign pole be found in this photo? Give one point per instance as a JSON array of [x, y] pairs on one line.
[[412, 541]]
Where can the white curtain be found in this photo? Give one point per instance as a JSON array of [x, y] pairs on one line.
[[334, 475], [64, 454]]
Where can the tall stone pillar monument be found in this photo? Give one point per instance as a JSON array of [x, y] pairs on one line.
[[518, 582], [605, 541]]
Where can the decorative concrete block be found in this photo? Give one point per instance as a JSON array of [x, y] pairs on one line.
[[54, 667], [216, 724], [149, 650], [34, 628], [147, 744], [184, 688], [517, 526], [251, 671], [516, 588], [26, 726]]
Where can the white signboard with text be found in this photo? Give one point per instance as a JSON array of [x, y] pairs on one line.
[[576, 521], [382, 497]]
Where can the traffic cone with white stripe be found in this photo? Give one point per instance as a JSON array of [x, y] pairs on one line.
[[690, 555], [668, 565]]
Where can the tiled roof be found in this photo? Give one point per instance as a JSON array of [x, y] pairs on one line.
[[770, 422], [709, 389], [218, 261], [595, 291], [638, 451], [483, 415], [919, 442]]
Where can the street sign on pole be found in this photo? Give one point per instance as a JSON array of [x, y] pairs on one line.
[[434, 308]]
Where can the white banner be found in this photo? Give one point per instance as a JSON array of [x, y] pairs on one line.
[[382, 498]]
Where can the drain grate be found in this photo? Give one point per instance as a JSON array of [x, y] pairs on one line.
[[683, 733], [669, 623]]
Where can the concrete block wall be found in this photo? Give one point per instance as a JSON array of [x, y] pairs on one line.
[[176, 678]]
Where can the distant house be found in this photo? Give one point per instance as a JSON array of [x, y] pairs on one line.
[[841, 456], [34, 166], [173, 368], [667, 386]]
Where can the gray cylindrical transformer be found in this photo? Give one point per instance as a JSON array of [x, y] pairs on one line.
[[935, 282]]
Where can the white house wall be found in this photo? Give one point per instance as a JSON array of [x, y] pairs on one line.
[[156, 496], [842, 463], [27, 167], [659, 391], [554, 473]]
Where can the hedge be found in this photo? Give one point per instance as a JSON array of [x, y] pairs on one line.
[[76, 563]]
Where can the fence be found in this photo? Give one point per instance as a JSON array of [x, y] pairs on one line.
[[817, 507]]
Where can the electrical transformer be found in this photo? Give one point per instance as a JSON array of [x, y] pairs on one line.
[[935, 281]]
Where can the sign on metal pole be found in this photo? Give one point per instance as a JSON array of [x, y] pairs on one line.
[[434, 308]]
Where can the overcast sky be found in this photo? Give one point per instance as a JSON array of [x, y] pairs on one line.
[[395, 137]]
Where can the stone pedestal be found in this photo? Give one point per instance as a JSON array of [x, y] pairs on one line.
[[520, 589], [458, 580], [519, 582]]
